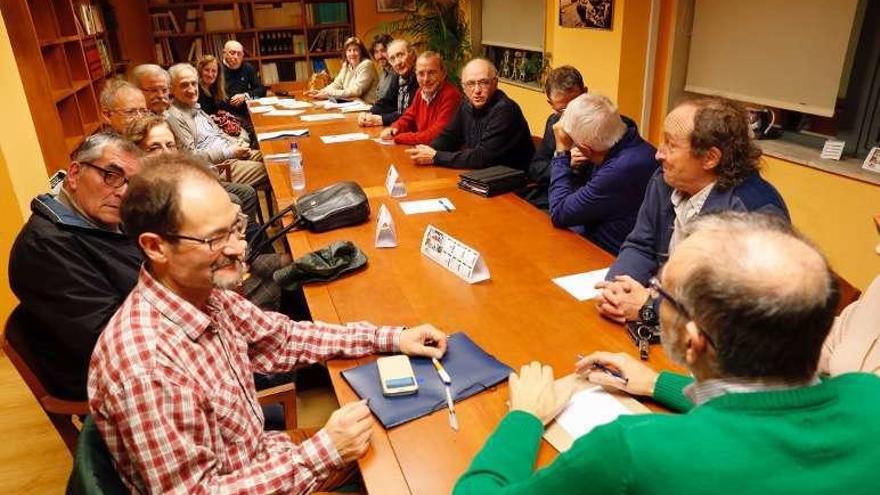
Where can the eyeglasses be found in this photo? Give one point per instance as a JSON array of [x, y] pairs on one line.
[[153, 148], [235, 232], [658, 292], [158, 91], [110, 177], [482, 84], [132, 112]]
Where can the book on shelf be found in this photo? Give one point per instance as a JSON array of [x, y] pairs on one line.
[[192, 20], [93, 58], [221, 20], [164, 23], [90, 19], [299, 44], [329, 40], [269, 73], [318, 14], [244, 16], [106, 60], [301, 68], [273, 15], [195, 50]]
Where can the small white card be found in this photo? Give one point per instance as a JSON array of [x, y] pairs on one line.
[[582, 285], [268, 100], [261, 109], [293, 104], [386, 232], [395, 186], [833, 149], [383, 141], [263, 136], [455, 256], [427, 206], [872, 161], [283, 113], [359, 107], [345, 138], [333, 105], [588, 409], [317, 117]]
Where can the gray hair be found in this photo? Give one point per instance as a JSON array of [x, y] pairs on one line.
[[143, 70], [177, 71], [400, 41], [113, 88], [593, 120], [232, 44], [761, 291], [93, 146]]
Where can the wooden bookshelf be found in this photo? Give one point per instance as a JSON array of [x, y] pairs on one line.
[[57, 49], [292, 35]]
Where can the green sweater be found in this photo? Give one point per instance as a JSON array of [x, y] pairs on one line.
[[823, 439]]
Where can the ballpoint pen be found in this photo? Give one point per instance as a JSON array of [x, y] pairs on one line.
[[601, 367], [447, 381]]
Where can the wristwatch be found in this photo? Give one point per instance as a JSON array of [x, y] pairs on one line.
[[647, 313], [561, 153]]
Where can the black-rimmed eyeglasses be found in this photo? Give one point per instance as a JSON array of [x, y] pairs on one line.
[[111, 178], [657, 291], [235, 232]]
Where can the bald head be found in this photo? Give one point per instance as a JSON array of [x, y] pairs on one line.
[[479, 78], [233, 54], [762, 293]]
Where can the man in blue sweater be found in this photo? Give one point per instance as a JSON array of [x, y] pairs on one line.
[[709, 163], [599, 199]]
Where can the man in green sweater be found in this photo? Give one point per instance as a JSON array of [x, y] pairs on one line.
[[746, 305]]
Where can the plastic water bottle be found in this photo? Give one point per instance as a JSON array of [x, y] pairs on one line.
[[297, 173]]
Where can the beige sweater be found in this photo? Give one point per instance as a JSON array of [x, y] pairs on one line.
[[854, 341], [359, 82]]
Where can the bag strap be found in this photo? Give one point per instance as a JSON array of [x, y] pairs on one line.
[[298, 223]]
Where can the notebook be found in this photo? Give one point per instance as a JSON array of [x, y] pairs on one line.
[[471, 368]]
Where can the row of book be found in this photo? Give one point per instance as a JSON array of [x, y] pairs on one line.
[[294, 70], [98, 58], [89, 18], [318, 14], [329, 40], [282, 42]]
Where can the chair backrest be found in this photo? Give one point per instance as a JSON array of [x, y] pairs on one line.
[[848, 293], [93, 470], [20, 353]]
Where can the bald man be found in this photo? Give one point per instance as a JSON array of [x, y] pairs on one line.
[[242, 81], [488, 128], [709, 162], [745, 305]]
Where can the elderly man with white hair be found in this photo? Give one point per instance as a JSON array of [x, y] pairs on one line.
[[197, 132], [599, 200], [242, 81]]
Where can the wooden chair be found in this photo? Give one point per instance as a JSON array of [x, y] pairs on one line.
[[848, 293], [285, 395], [60, 412]]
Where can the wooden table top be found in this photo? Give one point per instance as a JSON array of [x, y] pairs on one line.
[[519, 315]]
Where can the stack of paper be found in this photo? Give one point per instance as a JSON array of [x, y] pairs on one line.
[[292, 104], [344, 138], [261, 109], [268, 100], [357, 107], [263, 136]]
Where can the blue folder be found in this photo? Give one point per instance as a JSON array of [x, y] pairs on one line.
[[471, 368]]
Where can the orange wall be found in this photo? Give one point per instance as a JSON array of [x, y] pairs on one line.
[[10, 223], [367, 20]]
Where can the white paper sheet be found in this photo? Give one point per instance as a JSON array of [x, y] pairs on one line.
[[359, 107], [293, 104], [582, 285], [268, 100], [588, 409], [331, 105], [261, 109], [384, 142], [283, 113], [426, 206], [345, 138], [317, 117], [263, 136]]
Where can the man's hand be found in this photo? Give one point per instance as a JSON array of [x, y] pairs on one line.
[[369, 120], [387, 133], [563, 140], [349, 428], [423, 340], [238, 99], [635, 378], [534, 391], [241, 152], [578, 160], [422, 154], [622, 298]]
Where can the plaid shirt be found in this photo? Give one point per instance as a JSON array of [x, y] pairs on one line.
[[171, 389]]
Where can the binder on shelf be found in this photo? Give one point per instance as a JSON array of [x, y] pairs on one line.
[[471, 368]]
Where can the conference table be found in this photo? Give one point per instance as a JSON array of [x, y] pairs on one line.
[[518, 315]]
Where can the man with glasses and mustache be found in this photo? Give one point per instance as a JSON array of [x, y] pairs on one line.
[[745, 304], [169, 381], [122, 103], [488, 129], [72, 265], [154, 82]]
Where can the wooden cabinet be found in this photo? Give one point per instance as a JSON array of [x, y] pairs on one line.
[[286, 40], [63, 57]]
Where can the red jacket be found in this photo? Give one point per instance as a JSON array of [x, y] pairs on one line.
[[422, 122]]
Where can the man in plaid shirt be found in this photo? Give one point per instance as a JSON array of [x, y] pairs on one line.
[[170, 381]]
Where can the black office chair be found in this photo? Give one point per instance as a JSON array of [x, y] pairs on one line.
[[93, 470]]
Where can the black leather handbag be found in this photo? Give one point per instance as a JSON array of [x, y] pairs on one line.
[[337, 205]]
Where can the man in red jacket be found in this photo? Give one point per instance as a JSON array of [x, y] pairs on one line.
[[434, 104]]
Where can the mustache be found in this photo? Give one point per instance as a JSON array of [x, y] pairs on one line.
[[237, 261]]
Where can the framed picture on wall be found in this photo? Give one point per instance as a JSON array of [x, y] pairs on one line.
[[395, 5], [597, 14]]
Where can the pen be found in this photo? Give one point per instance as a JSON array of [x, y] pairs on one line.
[[441, 371], [444, 205], [601, 367], [450, 405]]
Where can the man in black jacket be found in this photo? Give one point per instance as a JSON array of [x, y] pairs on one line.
[[72, 266], [563, 84], [400, 92], [242, 84], [488, 129]]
